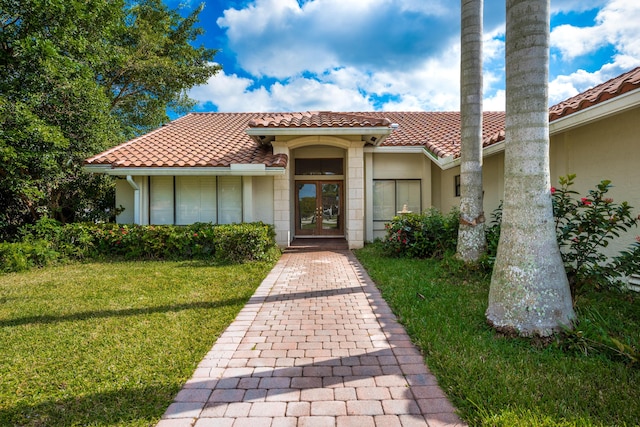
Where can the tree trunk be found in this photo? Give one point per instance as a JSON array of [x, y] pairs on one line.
[[472, 243], [529, 289]]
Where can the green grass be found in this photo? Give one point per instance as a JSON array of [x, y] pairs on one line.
[[497, 381], [110, 343]]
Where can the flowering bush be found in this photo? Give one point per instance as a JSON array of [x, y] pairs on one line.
[[426, 235], [586, 225]]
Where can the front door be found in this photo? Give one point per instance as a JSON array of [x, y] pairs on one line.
[[319, 208]]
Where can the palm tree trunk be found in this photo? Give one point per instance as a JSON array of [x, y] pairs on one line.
[[529, 289], [471, 239]]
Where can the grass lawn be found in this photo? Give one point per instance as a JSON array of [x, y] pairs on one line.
[[497, 381], [110, 343]]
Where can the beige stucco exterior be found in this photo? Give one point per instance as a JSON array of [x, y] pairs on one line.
[[605, 149]]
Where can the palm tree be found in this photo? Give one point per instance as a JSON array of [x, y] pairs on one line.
[[529, 289], [471, 239]]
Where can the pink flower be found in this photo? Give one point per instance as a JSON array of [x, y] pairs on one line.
[[585, 201], [195, 234], [553, 190], [608, 200], [638, 239]]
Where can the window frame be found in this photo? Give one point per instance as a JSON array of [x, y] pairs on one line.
[[175, 197], [395, 196]]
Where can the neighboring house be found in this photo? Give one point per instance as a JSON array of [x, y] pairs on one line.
[[317, 174]]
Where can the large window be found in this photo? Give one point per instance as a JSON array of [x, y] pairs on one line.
[[391, 195], [184, 200], [161, 200], [195, 199]]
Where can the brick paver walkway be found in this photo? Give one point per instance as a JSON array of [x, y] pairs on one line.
[[315, 346]]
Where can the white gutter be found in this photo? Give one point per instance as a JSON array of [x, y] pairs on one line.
[[136, 199], [394, 150], [234, 170]]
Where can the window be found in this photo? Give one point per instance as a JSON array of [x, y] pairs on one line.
[[390, 196], [184, 200], [319, 167], [456, 185], [195, 199], [229, 199], [161, 200]]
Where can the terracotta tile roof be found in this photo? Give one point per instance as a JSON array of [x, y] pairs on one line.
[[438, 132], [195, 140], [603, 92], [220, 139], [318, 119], [600, 93]]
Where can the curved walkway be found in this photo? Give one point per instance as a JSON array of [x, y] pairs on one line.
[[315, 346]]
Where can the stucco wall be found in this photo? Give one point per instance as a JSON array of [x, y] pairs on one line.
[[492, 183], [607, 149]]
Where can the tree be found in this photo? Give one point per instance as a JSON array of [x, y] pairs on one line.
[[472, 243], [529, 291], [76, 77]]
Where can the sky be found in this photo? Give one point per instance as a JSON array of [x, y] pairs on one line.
[[391, 55]]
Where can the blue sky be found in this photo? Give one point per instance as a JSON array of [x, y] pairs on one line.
[[392, 55]]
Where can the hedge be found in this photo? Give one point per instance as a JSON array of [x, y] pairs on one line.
[[48, 242]]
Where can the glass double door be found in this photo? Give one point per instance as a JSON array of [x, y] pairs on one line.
[[319, 208]]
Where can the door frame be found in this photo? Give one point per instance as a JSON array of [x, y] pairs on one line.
[[319, 231]]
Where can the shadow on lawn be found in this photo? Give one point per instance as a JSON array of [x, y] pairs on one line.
[[132, 406], [46, 319]]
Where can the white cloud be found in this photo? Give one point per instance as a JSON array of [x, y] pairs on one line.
[[393, 54], [560, 6], [496, 102], [616, 24], [232, 93], [566, 86], [281, 38]]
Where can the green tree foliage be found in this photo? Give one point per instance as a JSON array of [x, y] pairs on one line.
[[76, 77]]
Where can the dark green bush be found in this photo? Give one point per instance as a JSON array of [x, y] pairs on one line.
[[21, 256], [427, 235], [243, 242], [48, 241]]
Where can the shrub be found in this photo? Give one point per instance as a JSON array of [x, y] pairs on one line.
[[21, 256], [584, 226], [48, 241], [427, 235], [243, 242]]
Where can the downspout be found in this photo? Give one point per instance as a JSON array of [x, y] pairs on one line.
[[136, 199]]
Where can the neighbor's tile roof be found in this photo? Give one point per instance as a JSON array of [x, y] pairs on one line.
[[219, 139], [610, 89]]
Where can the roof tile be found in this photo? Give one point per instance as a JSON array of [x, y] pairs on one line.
[[610, 89], [220, 139]]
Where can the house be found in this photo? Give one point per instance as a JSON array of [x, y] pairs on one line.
[[323, 173]]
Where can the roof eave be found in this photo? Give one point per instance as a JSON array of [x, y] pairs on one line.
[[596, 112], [374, 135], [233, 170]]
